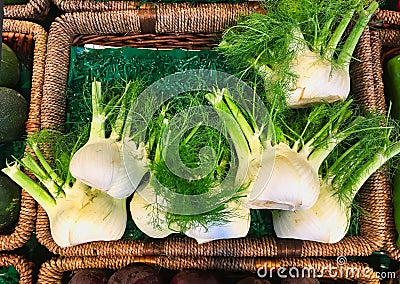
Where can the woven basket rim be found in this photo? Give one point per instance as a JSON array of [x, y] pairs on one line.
[[52, 270], [32, 10], [386, 26], [62, 32], [21, 264], [385, 19], [26, 223], [70, 6]]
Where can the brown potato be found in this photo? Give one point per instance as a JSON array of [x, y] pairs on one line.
[[90, 276], [195, 277], [305, 280], [135, 274]]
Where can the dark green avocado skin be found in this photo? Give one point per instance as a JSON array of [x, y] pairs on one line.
[[10, 71], [13, 114], [15, 2], [10, 202]]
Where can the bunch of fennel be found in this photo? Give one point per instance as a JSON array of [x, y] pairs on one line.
[[78, 213], [196, 178], [258, 179], [300, 46], [344, 173], [269, 158], [100, 163], [84, 194], [315, 149]]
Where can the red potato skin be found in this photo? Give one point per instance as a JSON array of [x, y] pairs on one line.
[[90, 276], [300, 281], [253, 280], [195, 277], [135, 274]]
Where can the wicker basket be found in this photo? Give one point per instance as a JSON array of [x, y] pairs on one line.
[[107, 5], [54, 270], [95, 6], [29, 42], [172, 26], [384, 41], [32, 10], [23, 267]]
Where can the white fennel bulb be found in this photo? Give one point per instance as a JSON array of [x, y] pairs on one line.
[[104, 165], [292, 185], [86, 214], [318, 81], [91, 170], [101, 162], [327, 221], [151, 219], [236, 227]]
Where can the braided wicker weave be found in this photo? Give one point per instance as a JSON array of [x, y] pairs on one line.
[[95, 6], [32, 10], [53, 270], [28, 40], [384, 40], [23, 267], [101, 6], [189, 27]]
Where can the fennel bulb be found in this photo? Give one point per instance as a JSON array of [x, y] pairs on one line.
[[159, 225], [367, 149], [268, 160], [149, 218], [100, 162], [77, 213], [301, 50], [327, 221], [318, 81], [297, 190], [237, 226], [184, 192]]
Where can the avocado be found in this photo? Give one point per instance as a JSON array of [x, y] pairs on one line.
[[10, 67], [10, 202], [15, 2], [13, 114]]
